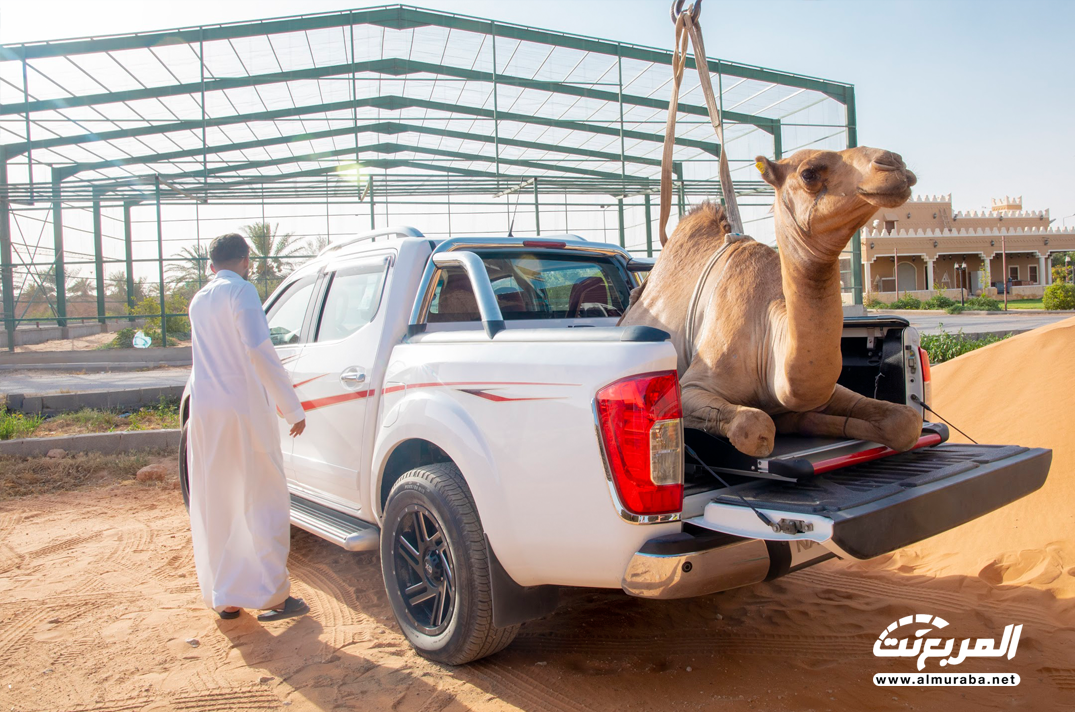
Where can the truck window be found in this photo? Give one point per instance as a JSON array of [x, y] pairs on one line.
[[354, 294], [286, 314], [537, 286]]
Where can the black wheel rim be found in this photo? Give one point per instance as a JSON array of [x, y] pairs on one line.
[[425, 571]]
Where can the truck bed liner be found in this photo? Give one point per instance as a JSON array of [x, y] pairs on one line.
[[860, 484]]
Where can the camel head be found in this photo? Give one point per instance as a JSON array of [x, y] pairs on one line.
[[823, 197]]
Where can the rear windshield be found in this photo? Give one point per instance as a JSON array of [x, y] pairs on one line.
[[537, 285]]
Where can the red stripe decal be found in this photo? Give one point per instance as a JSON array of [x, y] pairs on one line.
[[498, 399], [872, 454], [309, 380], [480, 392], [334, 400]]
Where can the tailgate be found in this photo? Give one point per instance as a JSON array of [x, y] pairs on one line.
[[873, 508]]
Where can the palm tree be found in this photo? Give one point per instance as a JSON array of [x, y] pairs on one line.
[[191, 270], [315, 245], [270, 251], [116, 284], [82, 288], [43, 288]]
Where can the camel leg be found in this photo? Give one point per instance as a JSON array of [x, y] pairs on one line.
[[750, 430], [850, 415]]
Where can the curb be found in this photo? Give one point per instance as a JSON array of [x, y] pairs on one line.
[[108, 443], [108, 367], [146, 358]]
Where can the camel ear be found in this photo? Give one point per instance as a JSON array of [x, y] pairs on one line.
[[772, 172]]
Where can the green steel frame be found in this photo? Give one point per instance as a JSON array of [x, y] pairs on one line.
[[567, 124]]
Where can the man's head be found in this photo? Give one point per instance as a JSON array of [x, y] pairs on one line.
[[230, 252]]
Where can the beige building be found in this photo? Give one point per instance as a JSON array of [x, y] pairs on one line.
[[921, 249]]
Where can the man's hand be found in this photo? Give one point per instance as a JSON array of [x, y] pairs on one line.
[[298, 427]]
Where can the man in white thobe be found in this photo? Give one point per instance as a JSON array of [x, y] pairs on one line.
[[240, 513]]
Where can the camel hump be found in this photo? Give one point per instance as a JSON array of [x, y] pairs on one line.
[[705, 219]]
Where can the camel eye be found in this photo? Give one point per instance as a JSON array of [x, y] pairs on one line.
[[809, 175]]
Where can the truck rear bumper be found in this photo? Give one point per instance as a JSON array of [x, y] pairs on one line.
[[685, 565]]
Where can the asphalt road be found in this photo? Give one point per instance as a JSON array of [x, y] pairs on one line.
[[42, 382], [995, 322]]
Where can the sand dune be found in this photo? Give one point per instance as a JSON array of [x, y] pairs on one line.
[[1018, 391]]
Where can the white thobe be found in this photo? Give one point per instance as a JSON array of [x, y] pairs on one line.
[[239, 504]]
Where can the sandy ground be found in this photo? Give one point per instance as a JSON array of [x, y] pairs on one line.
[[98, 601], [84, 343]]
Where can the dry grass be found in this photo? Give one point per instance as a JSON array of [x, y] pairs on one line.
[[22, 477], [164, 415]]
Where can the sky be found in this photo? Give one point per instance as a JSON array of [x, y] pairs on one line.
[[977, 95]]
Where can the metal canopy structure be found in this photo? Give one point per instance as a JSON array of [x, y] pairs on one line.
[[386, 103]]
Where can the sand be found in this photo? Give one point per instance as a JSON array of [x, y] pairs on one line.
[[98, 601], [1019, 391]]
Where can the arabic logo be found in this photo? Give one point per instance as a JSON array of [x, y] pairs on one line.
[[886, 646]]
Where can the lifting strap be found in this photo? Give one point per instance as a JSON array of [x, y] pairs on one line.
[[687, 26]]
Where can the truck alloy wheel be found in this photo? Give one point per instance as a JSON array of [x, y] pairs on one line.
[[423, 567], [435, 565]]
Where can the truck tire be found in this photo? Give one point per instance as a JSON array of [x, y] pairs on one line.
[[436, 567], [184, 475]]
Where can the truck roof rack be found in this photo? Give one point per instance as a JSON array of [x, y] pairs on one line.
[[397, 231]]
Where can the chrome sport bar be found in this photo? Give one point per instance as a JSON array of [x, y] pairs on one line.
[[488, 309]]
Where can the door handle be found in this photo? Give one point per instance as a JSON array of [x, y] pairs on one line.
[[352, 378]]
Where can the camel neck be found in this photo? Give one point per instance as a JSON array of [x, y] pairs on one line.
[[814, 313]]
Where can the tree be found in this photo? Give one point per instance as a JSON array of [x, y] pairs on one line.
[[191, 271], [116, 285], [315, 245], [81, 288], [270, 251], [191, 266]]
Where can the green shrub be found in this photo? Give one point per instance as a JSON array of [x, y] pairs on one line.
[[945, 346], [907, 302], [17, 425], [875, 303], [983, 304], [956, 309], [178, 304], [1059, 296], [124, 339], [938, 301], [151, 308]]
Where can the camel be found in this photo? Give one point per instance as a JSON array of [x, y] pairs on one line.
[[766, 354]]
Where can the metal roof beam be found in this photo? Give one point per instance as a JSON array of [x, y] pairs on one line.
[[383, 147], [401, 17], [391, 67], [390, 128], [387, 102]]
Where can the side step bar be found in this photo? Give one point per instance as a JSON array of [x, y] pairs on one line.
[[341, 529]]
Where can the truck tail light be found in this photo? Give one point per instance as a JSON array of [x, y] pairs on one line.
[[927, 377], [640, 419]]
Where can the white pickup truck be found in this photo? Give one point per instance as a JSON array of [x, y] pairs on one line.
[[475, 414]]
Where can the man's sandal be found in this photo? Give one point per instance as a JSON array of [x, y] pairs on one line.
[[292, 608], [230, 615]]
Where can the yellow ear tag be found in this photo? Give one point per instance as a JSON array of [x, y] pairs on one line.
[[760, 166]]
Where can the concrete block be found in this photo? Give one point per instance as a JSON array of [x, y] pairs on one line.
[[108, 443]]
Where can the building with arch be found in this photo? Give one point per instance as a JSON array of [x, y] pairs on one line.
[[921, 248]]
